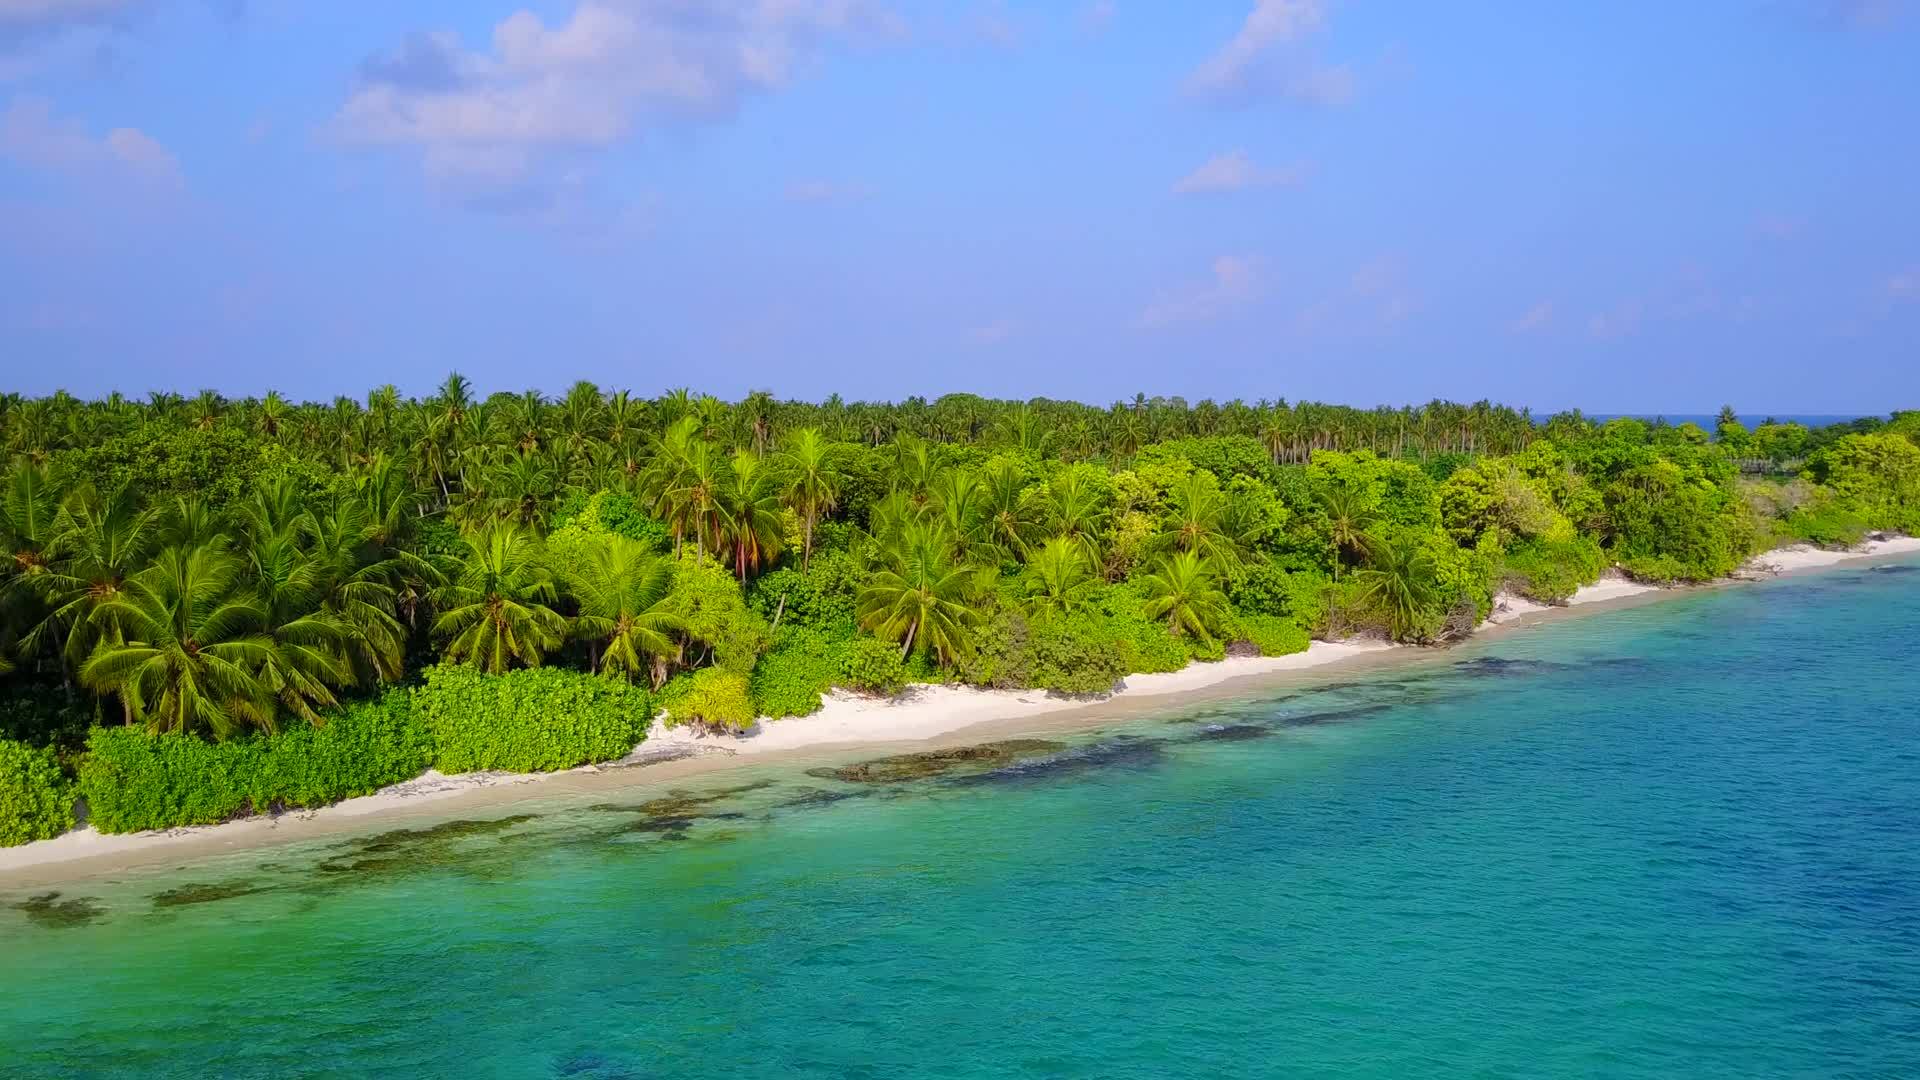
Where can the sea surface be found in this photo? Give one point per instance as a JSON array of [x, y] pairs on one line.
[[1674, 840]]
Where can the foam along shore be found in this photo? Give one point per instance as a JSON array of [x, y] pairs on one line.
[[919, 714]]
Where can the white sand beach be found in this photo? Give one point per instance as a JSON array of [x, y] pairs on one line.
[[920, 714]]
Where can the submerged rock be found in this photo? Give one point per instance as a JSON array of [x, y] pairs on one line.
[[900, 768], [404, 850], [201, 892], [48, 910]]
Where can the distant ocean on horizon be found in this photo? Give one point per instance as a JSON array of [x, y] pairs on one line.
[[1706, 420]]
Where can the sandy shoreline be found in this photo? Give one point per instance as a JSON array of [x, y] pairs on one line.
[[924, 715]]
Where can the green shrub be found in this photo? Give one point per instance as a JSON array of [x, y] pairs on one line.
[[790, 680], [822, 598], [1141, 645], [1829, 523], [873, 666], [1273, 635], [1551, 571], [712, 698], [1002, 656], [1072, 656], [134, 781], [36, 801], [365, 747], [531, 720]]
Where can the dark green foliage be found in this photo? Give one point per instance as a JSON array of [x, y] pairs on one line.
[[804, 664], [47, 716], [1073, 655], [1551, 571], [36, 799], [134, 781], [822, 598], [529, 720], [1669, 526]]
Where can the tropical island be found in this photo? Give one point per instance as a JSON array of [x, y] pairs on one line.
[[216, 608]]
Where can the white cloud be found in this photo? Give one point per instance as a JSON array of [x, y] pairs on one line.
[[1235, 171], [992, 333], [53, 11], [1534, 319], [821, 191], [1245, 64], [30, 132], [1235, 280], [1904, 285], [1095, 16], [1616, 324], [590, 81]]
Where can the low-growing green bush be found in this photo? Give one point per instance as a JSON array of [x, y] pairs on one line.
[[1829, 523], [530, 720], [1273, 635], [1551, 571], [712, 698], [802, 666], [873, 666], [133, 780], [1072, 656], [36, 800]]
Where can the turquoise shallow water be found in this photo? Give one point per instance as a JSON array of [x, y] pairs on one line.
[[1674, 840]]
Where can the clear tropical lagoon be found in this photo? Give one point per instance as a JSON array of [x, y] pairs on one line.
[[1677, 839]]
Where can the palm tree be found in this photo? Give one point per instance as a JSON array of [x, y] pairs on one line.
[[750, 513], [97, 545], [923, 595], [29, 512], [1197, 519], [352, 578], [1185, 590], [1350, 519], [191, 647], [622, 591], [494, 607], [307, 660], [812, 484], [1075, 506], [1401, 582], [1060, 579]]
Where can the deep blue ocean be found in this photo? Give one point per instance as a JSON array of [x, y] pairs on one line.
[[1674, 840]]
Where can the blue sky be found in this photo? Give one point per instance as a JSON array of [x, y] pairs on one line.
[[1629, 206]]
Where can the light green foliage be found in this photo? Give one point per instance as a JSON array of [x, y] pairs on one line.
[[529, 720], [36, 801], [603, 513], [1223, 456], [712, 698], [1878, 473], [872, 666], [134, 781], [707, 601], [1273, 635], [1398, 491]]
